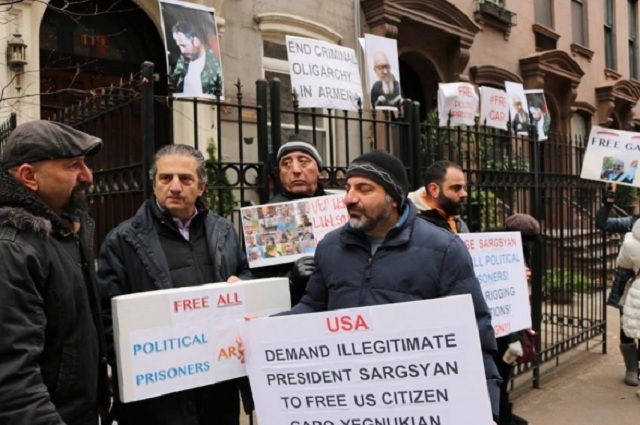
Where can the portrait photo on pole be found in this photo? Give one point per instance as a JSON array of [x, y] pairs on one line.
[[540, 116], [382, 72], [193, 49], [518, 109]]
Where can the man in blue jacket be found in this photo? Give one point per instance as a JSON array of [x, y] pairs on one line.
[[384, 254], [173, 241]]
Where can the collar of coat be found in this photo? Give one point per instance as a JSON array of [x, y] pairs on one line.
[[24, 210]]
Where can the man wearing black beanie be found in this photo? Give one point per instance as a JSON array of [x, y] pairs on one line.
[[384, 254]]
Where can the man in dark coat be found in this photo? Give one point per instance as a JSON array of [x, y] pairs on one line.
[[174, 241], [299, 166], [384, 254], [440, 200], [52, 350]]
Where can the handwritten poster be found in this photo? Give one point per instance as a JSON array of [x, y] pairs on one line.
[[498, 262], [612, 156], [175, 339], [283, 232], [406, 363], [324, 75], [494, 108]]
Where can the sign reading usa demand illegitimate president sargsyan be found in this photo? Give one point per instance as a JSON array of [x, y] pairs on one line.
[[414, 363], [176, 339]]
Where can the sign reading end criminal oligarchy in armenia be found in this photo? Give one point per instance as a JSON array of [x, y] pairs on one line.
[[414, 363], [324, 75], [176, 339]]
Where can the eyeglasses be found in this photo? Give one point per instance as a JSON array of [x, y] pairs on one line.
[[386, 67]]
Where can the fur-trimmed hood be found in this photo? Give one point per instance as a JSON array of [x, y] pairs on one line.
[[24, 210]]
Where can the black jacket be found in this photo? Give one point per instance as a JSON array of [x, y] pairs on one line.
[[50, 333], [132, 260]]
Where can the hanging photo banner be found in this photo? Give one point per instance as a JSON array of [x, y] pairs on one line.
[[519, 109], [498, 262], [457, 104], [540, 116], [324, 75], [494, 108], [283, 232], [409, 363], [383, 72], [612, 156], [192, 46]]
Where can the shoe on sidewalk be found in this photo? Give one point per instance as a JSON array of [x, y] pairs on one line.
[[517, 420]]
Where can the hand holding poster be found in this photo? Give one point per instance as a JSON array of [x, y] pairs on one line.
[[282, 233], [413, 363], [612, 156], [457, 104], [499, 265], [175, 339], [323, 75]]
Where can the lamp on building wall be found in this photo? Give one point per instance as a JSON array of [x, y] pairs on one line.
[[17, 56]]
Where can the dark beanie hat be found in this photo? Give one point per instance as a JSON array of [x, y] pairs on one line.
[[42, 140], [297, 142], [523, 223], [385, 169]]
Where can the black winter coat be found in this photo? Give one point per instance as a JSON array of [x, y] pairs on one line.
[[51, 337]]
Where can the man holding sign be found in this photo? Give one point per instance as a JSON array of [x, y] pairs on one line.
[[384, 254]]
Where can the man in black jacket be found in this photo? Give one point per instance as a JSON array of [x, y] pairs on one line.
[[52, 351], [299, 166], [174, 241]]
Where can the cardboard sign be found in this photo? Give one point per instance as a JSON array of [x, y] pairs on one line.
[[324, 75], [406, 363], [494, 108], [383, 72], [499, 265], [457, 104], [176, 339], [612, 156], [282, 233]]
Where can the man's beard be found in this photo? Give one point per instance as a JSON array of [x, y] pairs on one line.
[[449, 206], [367, 223], [387, 84], [77, 201]]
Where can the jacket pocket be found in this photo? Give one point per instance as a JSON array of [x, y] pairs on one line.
[[65, 374]]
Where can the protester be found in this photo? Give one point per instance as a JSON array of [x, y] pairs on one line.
[[52, 343], [299, 166], [510, 346], [630, 351], [174, 241], [441, 199], [385, 255]]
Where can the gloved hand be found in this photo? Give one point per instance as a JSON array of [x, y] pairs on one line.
[[300, 273], [513, 352]]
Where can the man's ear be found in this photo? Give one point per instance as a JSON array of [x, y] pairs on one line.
[[26, 174], [201, 189], [196, 41], [433, 190]]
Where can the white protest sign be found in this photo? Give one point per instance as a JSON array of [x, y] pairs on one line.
[[176, 339], [494, 108], [407, 363], [612, 156], [282, 233], [324, 75], [457, 104], [499, 265]]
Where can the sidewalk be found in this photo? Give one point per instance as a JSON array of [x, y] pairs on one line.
[[587, 388]]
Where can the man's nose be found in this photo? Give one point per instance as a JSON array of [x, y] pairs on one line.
[[86, 175], [175, 185]]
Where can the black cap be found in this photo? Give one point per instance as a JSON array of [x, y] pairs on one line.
[[385, 169], [45, 140], [297, 142], [526, 224]]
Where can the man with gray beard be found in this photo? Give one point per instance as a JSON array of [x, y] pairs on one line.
[[385, 91]]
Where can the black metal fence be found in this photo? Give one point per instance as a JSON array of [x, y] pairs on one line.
[[506, 174]]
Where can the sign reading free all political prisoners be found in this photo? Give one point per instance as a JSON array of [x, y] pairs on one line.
[[414, 363], [499, 265], [176, 339], [324, 75], [612, 156]]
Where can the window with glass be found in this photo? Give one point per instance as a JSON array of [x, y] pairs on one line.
[[632, 6], [609, 35], [543, 12], [577, 22]]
